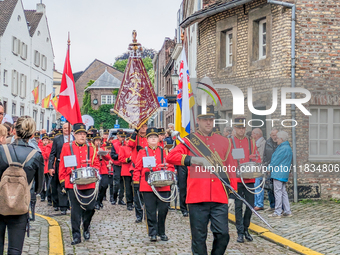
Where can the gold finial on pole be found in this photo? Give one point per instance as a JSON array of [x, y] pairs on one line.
[[135, 46]]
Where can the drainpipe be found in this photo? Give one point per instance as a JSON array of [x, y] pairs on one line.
[[293, 7]]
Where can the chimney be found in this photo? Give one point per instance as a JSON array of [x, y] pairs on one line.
[[41, 8]]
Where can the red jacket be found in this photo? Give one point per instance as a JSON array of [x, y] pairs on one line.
[[46, 151], [104, 161], [202, 186], [244, 143], [140, 173], [81, 153], [124, 157], [115, 151], [161, 144], [139, 141]]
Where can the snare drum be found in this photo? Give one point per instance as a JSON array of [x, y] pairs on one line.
[[249, 170], [161, 178], [84, 175]]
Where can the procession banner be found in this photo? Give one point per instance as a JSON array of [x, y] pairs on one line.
[[136, 101]]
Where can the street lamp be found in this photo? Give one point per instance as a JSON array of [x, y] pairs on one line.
[[174, 80]]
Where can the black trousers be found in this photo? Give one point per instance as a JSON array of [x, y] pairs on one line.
[[156, 211], [118, 183], [110, 184], [200, 214], [243, 221], [16, 227], [46, 192], [102, 187], [138, 200], [59, 199], [182, 175], [128, 189], [80, 212]]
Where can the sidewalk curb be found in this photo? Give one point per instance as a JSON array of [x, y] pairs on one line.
[[267, 234], [55, 238]]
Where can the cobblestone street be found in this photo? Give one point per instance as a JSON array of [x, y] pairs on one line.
[[113, 231]]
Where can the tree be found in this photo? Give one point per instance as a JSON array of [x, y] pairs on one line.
[[87, 99], [120, 64], [145, 53]]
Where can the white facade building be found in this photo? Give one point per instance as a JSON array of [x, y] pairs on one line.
[[26, 61]]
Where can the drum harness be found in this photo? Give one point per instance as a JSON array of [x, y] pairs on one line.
[[261, 185], [174, 188], [94, 195]]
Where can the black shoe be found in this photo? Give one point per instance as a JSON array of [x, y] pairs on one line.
[[129, 207], [111, 199], [248, 236], [63, 212], [171, 208], [240, 238], [153, 238], [101, 205], [121, 202], [138, 221], [104, 198], [42, 200], [76, 241], [87, 234], [164, 238], [185, 214], [97, 207], [113, 202], [56, 208], [49, 203]]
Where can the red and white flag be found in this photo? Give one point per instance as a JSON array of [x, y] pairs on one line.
[[68, 104]]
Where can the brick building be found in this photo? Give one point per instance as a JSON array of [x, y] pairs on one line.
[[164, 67], [93, 72], [248, 44]]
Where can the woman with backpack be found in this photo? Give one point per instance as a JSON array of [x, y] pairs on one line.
[[20, 164]]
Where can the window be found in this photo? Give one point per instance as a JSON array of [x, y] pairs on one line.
[[15, 82], [107, 99], [5, 78], [324, 133], [42, 91], [23, 51], [43, 62], [23, 85], [14, 109], [42, 120], [22, 110], [35, 113], [36, 58], [15, 45], [229, 50], [262, 38]]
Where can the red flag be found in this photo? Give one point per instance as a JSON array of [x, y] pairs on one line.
[[68, 104]]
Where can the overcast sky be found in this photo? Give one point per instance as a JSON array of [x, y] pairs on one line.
[[102, 29]]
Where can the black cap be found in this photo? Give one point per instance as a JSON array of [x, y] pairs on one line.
[[107, 145], [209, 115], [240, 121], [96, 135], [89, 136], [161, 131], [217, 130], [79, 127], [45, 136], [121, 133], [59, 131], [51, 136], [37, 134], [106, 131], [151, 131]]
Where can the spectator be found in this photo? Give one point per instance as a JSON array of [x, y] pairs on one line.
[[34, 168], [227, 131], [3, 134], [168, 139], [171, 126], [2, 112], [9, 127], [280, 167], [269, 149], [260, 144]]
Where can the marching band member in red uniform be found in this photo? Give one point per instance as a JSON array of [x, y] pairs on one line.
[[125, 158], [103, 170], [117, 177], [46, 148], [140, 176], [240, 141], [108, 146], [106, 135], [84, 157], [137, 142], [207, 197], [161, 136]]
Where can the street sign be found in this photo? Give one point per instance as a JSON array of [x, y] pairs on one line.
[[116, 126], [62, 118], [162, 101]]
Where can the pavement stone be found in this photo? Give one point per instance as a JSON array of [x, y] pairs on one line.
[[113, 231]]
